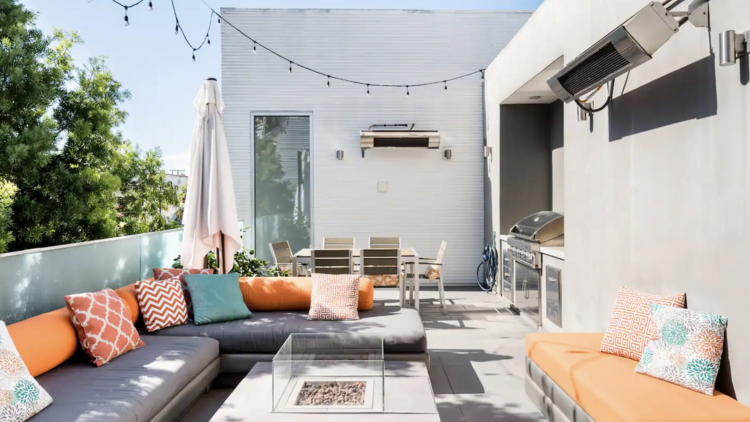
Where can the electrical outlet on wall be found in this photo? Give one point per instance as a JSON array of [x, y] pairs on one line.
[[382, 187]]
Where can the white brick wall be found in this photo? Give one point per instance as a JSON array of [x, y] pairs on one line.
[[429, 198]]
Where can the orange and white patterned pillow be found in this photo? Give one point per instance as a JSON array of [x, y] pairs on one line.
[[630, 328], [384, 280], [179, 273], [334, 297], [162, 303], [103, 324]]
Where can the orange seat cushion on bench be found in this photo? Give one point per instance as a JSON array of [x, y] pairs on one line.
[[45, 341], [267, 294], [608, 389]]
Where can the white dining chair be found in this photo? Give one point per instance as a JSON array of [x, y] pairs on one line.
[[380, 263], [432, 272], [338, 243], [284, 258], [385, 242], [332, 261]]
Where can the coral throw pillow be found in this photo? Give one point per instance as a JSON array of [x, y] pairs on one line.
[[630, 328], [179, 273], [162, 303], [21, 397], [687, 348], [334, 297], [103, 324]]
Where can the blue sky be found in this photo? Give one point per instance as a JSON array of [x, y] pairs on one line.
[[155, 65]]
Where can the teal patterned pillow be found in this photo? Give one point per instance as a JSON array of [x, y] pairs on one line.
[[21, 397], [687, 348]]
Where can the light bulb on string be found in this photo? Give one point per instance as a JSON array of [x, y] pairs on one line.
[[368, 90], [482, 74], [193, 55], [150, 6], [407, 90], [127, 21], [218, 21], [290, 67], [208, 40], [445, 85], [328, 82], [255, 50], [176, 27]]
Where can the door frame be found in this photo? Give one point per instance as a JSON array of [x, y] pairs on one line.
[[253, 114]]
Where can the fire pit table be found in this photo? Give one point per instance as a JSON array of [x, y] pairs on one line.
[[332, 377]]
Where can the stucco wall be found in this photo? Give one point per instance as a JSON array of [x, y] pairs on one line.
[[657, 197], [429, 199]]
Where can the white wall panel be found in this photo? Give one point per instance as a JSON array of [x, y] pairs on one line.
[[429, 198]]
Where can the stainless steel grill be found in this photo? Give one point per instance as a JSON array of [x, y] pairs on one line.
[[522, 270]]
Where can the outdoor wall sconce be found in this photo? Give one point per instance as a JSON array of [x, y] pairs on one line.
[[583, 115], [732, 46], [448, 154], [340, 155], [487, 151]]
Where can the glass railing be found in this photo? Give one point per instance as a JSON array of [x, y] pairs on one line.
[[34, 281]]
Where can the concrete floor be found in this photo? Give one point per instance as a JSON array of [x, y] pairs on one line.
[[477, 359]]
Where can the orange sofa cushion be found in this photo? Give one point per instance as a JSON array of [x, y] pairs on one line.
[[608, 389], [45, 341], [128, 295], [263, 294]]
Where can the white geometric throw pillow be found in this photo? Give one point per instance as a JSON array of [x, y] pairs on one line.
[[21, 397], [334, 297], [687, 349]]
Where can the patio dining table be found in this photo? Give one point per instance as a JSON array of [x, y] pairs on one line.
[[409, 256]]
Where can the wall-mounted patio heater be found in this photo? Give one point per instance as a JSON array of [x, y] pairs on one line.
[[396, 139], [625, 48]]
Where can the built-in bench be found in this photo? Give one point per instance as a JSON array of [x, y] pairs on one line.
[[160, 381], [570, 380]]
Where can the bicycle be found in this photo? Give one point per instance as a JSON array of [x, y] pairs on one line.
[[487, 269]]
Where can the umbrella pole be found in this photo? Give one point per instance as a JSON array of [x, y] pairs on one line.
[[223, 255]]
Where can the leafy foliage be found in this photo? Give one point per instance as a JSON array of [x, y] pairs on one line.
[[77, 179], [245, 265], [7, 192]]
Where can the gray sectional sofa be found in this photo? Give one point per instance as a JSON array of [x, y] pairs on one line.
[[161, 381]]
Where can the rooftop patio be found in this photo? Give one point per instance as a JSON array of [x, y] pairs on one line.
[[476, 358]]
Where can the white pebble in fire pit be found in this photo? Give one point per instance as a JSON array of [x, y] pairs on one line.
[[332, 394]]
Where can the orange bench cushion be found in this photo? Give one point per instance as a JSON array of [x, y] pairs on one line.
[[128, 295], [263, 294], [45, 341], [608, 389]]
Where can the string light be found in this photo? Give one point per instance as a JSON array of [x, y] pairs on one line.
[[207, 41]]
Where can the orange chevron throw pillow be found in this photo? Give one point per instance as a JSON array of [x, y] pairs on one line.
[[162, 303]]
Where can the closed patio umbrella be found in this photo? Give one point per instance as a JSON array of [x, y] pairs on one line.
[[210, 219]]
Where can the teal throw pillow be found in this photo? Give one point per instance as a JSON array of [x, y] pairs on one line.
[[216, 298]]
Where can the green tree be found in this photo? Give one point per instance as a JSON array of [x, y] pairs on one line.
[[7, 191], [145, 192], [61, 147]]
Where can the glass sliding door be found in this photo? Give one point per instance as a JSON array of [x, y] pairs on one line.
[[282, 182]]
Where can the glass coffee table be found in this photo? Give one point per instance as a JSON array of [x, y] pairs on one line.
[[322, 373], [332, 377]]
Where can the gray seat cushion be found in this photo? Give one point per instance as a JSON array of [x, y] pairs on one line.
[[265, 332], [132, 388]]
